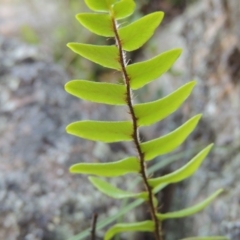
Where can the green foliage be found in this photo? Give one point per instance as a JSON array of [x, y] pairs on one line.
[[97, 23], [123, 9], [107, 56], [133, 37], [107, 93], [100, 6], [113, 169], [144, 72], [148, 113], [108, 132], [184, 172], [128, 38], [169, 142], [190, 211], [146, 226], [114, 192]]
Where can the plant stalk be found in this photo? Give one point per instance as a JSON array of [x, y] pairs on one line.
[[135, 134], [93, 227]]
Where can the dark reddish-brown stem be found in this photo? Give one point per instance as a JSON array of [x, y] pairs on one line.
[[93, 227], [135, 134]]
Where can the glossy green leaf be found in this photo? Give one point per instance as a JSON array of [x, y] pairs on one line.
[[150, 113], [190, 211], [123, 9], [170, 141], [115, 192], [102, 131], [100, 5], [98, 23], [134, 35], [143, 73], [106, 56], [107, 93], [207, 238], [184, 172], [112, 169], [146, 226]]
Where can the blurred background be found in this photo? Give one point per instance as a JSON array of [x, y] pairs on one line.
[[39, 198]]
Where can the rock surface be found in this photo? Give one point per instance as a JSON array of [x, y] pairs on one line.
[[39, 198]]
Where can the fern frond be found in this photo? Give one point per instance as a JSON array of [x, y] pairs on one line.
[[104, 21]]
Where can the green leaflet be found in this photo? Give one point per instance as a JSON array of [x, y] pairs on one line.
[[184, 172], [170, 141], [134, 35], [112, 169], [123, 9], [97, 23], [150, 113], [108, 132], [146, 226], [190, 211], [207, 238], [114, 192], [143, 73], [99, 5], [107, 93], [106, 56]]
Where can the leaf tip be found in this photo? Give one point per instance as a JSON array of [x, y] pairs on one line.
[[160, 13], [176, 52], [70, 45], [179, 51], [210, 146], [198, 117], [66, 86], [78, 16], [72, 169], [68, 128], [221, 190], [193, 83]]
